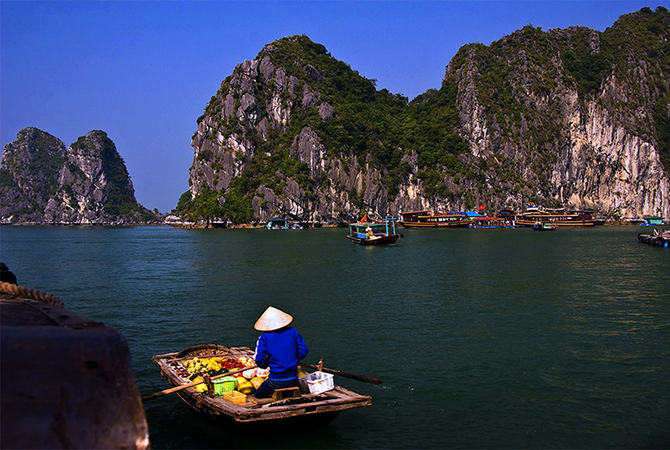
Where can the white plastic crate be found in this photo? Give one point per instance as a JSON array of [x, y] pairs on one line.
[[316, 383]]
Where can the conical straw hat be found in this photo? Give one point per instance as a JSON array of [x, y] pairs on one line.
[[272, 319]]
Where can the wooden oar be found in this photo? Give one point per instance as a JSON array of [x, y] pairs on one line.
[[353, 376], [184, 386]]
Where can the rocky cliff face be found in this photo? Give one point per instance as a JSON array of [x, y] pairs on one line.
[[567, 141], [271, 127], [88, 183], [569, 117], [29, 174]]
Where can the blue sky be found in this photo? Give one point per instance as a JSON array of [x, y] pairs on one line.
[[143, 71]]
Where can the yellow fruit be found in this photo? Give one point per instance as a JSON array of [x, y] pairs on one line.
[[201, 387], [244, 386]]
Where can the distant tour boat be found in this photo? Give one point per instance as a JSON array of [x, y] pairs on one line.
[[481, 221], [557, 217], [429, 219], [279, 223]]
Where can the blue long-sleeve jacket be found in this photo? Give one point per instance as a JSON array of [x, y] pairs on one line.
[[281, 350]]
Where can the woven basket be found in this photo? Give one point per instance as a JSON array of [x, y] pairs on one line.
[[203, 350]]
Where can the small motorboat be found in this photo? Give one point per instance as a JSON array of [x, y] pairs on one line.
[[374, 233], [543, 226]]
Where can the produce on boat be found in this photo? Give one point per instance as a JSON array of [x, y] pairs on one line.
[[227, 378]]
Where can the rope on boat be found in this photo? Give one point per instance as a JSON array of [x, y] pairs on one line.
[[32, 294]]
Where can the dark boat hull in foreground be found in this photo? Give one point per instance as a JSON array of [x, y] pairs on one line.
[[67, 381]]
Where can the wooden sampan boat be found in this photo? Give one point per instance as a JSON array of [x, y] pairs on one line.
[[311, 410], [369, 233]]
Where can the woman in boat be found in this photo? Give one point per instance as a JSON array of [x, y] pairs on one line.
[[368, 233], [280, 347]]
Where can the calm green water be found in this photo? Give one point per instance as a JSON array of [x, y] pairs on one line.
[[484, 338]]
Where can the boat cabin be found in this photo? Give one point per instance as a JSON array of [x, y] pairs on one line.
[[559, 217], [279, 223], [369, 230], [428, 218], [652, 220], [413, 216]]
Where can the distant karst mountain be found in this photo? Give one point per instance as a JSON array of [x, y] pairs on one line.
[[42, 182], [572, 117]]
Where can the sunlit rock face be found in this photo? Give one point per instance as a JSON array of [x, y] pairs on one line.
[[573, 116]]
